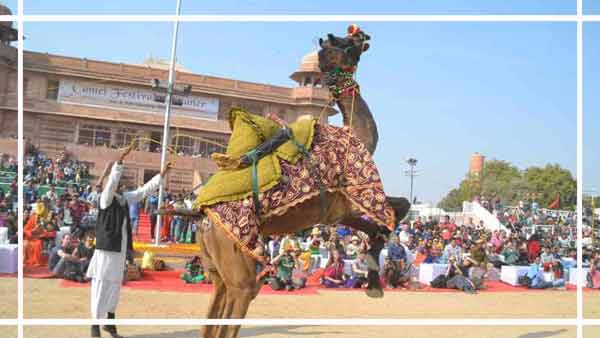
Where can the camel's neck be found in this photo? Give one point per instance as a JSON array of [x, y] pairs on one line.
[[355, 111]]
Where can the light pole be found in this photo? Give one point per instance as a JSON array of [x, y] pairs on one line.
[[411, 172], [168, 101]]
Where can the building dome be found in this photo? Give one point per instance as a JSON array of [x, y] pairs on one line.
[[4, 10], [309, 74], [310, 62]]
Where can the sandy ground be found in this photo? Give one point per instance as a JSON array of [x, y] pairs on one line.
[[8, 298], [591, 305], [591, 332], [46, 299], [8, 331], [321, 332]]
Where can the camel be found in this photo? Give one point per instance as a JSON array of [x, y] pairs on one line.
[[234, 273]]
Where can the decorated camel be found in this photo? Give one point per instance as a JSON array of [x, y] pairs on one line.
[[278, 179]]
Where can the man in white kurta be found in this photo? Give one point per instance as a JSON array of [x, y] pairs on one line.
[[106, 269]]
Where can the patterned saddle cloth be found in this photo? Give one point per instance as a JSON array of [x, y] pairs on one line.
[[343, 165]]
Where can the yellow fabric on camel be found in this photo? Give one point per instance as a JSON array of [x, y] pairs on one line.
[[248, 132]]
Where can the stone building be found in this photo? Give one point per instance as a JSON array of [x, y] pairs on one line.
[[93, 107], [8, 86]]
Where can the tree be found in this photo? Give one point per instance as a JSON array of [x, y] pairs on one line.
[[504, 180], [552, 181]]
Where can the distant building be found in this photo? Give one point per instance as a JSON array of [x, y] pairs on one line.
[[8, 86], [476, 165]]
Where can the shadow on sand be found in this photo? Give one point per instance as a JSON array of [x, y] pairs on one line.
[[247, 332], [542, 334], [252, 332]]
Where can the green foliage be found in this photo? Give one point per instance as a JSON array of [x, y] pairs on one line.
[[504, 180]]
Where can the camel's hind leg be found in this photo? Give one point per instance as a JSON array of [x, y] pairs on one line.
[[238, 276]]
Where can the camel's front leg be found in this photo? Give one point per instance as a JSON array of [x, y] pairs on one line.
[[217, 305], [376, 242], [236, 306], [237, 273]]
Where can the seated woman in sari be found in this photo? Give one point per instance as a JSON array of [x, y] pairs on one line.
[[333, 277]]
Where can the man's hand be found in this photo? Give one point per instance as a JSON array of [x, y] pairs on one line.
[[126, 152], [105, 173], [166, 170]]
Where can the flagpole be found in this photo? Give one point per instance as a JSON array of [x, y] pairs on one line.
[[165, 138]]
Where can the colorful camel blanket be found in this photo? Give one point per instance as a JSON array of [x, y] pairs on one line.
[[343, 164]]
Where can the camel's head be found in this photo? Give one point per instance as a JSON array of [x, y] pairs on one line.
[[343, 53]]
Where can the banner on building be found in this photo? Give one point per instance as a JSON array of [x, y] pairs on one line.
[[131, 98]]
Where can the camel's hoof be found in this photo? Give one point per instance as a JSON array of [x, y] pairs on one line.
[[374, 293], [400, 205]]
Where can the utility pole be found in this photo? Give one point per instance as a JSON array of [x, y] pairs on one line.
[[168, 101], [411, 172]]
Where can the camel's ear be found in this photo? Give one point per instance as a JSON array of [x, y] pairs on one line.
[[321, 42]]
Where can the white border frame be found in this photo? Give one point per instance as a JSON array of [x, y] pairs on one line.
[[578, 18]]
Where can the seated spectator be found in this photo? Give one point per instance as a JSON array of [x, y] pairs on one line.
[[452, 250], [193, 271], [334, 243], [352, 248], [76, 268], [289, 242], [477, 258], [333, 276], [593, 276], [302, 268], [396, 253], [315, 241], [510, 256], [542, 279], [34, 234], [456, 277], [60, 255], [360, 271], [284, 265]]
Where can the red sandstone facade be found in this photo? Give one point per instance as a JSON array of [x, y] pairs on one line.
[[91, 125]]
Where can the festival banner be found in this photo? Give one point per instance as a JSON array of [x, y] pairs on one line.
[[132, 98]]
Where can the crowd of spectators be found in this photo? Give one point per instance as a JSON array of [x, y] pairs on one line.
[[60, 221], [63, 170], [8, 197], [336, 256], [471, 251]]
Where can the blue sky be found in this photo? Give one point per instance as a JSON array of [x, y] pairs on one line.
[[439, 91], [302, 7], [591, 106], [591, 6]]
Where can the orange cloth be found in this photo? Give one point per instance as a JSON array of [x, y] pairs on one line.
[[420, 258], [32, 246], [315, 278]]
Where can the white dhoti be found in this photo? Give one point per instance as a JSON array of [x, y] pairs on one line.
[[106, 270]]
